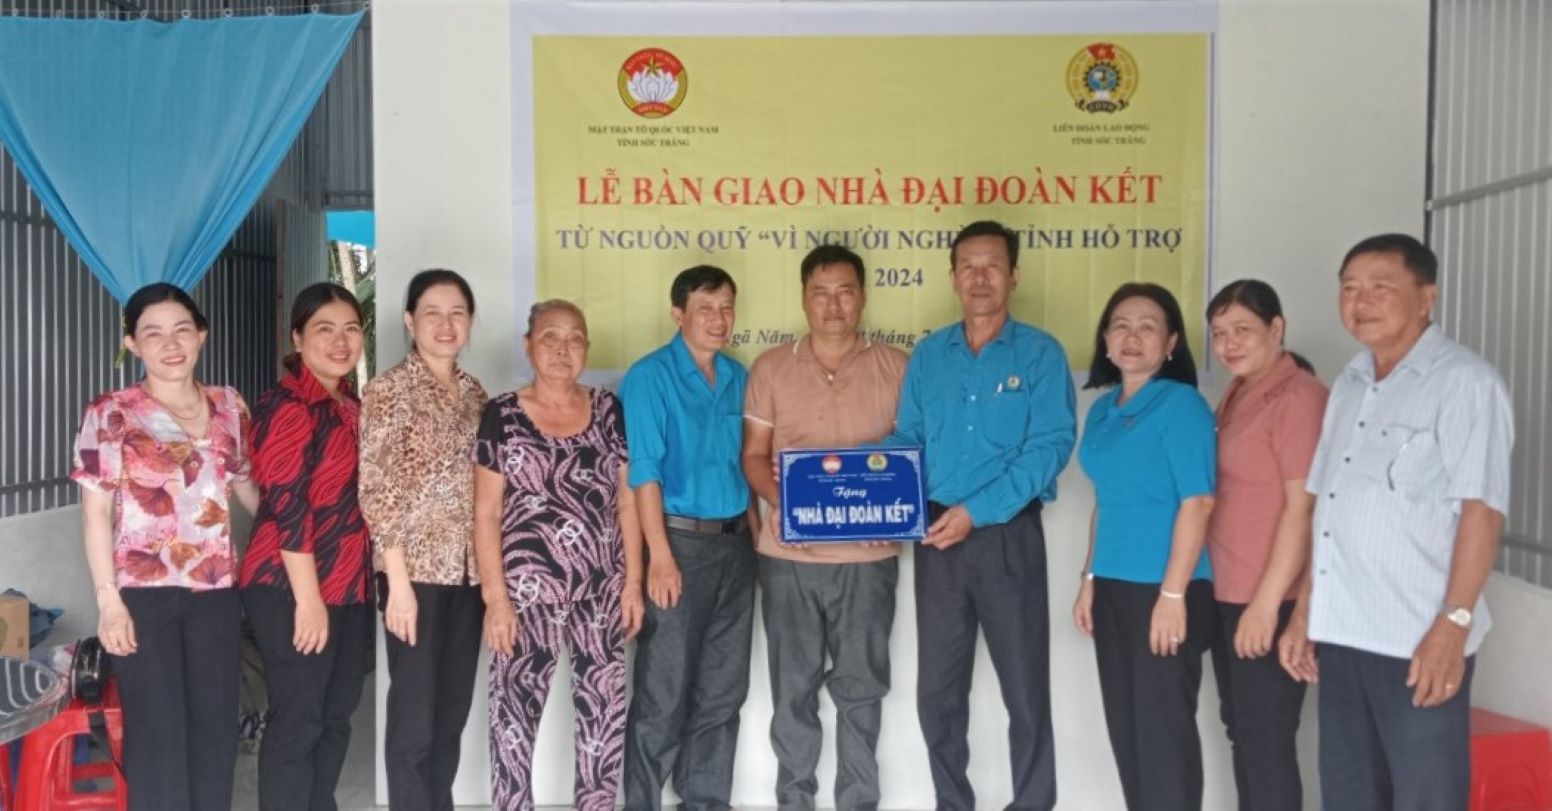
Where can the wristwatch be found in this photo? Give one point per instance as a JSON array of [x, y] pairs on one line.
[[1460, 615]]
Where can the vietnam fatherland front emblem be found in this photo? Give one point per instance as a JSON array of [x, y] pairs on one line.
[[1102, 78], [653, 82]]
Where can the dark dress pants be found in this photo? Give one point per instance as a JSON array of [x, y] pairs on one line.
[[311, 699], [1150, 701], [179, 696], [994, 580], [431, 687], [1260, 705], [691, 676], [843, 612], [1377, 751]]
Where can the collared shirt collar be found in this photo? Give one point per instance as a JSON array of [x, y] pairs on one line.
[[421, 375], [1149, 392], [305, 384], [1282, 370], [1417, 359], [803, 348], [1004, 335], [684, 363]]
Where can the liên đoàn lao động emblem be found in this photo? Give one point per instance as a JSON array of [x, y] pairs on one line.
[[1102, 77]]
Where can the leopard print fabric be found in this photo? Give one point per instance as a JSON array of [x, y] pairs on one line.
[[417, 486]]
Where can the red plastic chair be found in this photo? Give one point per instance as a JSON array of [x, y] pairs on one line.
[[6, 795], [1511, 764], [49, 777]]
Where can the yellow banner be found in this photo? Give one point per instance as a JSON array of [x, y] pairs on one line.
[[655, 154]]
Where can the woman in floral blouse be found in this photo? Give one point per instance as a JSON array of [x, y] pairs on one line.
[[559, 553], [157, 463], [307, 575], [417, 424]]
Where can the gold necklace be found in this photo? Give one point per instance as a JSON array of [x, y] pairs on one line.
[[198, 409]]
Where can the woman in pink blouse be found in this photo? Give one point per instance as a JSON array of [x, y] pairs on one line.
[[1259, 535], [157, 463]]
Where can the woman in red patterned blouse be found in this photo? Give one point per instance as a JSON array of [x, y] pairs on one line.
[[306, 574]]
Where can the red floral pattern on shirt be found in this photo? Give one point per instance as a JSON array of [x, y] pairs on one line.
[[171, 526]]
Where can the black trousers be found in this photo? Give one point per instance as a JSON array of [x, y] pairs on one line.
[[1377, 751], [311, 699], [691, 677], [431, 688], [179, 696], [1259, 704], [994, 580], [1150, 701]]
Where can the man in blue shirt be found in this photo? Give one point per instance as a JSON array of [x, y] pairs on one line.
[[991, 401], [684, 406]]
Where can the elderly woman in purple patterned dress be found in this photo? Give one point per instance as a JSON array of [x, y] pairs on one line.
[[559, 555]]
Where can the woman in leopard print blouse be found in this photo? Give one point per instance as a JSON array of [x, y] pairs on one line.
[[418, 422]]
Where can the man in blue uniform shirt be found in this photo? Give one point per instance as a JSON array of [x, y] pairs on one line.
[[991, 401], [684, 406]]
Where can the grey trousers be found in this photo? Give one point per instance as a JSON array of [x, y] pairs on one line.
[[845, 611], [691, 677], [1377, 751]]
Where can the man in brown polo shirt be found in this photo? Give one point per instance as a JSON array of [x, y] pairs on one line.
[[832, 388]]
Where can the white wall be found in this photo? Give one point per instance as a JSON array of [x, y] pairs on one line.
[[1322, 135], [1514, 661], [42, 554], [1310, 160]]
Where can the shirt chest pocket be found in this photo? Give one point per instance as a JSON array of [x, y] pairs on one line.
[[1008, 416], [1409, 461]]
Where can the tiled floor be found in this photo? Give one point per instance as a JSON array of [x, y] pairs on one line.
[[357, 782]]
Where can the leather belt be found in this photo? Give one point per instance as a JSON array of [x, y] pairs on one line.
[[708, 526], [936, 510]]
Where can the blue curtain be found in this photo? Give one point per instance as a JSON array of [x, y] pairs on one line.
[[147, 142]]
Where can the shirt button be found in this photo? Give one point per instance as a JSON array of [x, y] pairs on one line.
[[1322, 571], [1332, 495], [1375, 389], [1325, 534], [1346, 459], [1384, 433], [1361, 423], [969, 427], [972, 398]]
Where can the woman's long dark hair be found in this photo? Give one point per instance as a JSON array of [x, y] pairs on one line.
[[308, 302], [1178, 366], [1261, 300]]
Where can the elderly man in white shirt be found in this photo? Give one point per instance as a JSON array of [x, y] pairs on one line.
[[1412, 483]]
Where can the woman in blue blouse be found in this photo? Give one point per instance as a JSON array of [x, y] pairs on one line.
[[1146, 596]]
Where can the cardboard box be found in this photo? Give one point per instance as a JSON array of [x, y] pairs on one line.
[[14, 626]]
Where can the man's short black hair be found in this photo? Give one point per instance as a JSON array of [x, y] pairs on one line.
[[1415, 256], [700, 277], [986, 228], [833, 255]]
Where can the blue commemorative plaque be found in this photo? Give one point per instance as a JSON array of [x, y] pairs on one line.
[[856, 494]]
